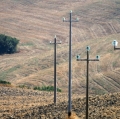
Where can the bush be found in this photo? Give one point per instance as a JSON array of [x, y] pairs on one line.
[[24, 86], [46, 88], [8, 44], [4, 82]]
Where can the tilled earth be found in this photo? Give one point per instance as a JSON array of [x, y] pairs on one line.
[[18, 103]]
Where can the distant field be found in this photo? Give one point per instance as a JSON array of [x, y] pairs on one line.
[[36, 22]]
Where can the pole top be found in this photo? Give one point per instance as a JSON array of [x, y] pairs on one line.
[[70, 11], [55, 37], [114, 43], [88, 48], [77, 19], [63, 19], [98, 57], [60, 42], [78, 57]]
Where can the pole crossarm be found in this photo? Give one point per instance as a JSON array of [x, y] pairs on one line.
[[116, 48], [93, 59], [55, 43], [55, 38], [71, 21], [88, 59]]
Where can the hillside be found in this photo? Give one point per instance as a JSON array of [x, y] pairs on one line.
[[35, 22]]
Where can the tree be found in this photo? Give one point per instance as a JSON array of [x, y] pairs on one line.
[[8, 45]]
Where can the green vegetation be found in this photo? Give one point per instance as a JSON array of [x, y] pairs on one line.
[[24, 86], [8, 45], [4, 82], [4, 74], [98, 91], [46, 88]]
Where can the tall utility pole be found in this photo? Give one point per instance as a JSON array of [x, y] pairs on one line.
[[55, 82], [87, 78], [70, 58]]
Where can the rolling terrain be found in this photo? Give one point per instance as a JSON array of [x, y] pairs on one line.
[[36, 22]]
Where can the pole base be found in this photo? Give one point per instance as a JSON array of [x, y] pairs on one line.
[[72, 116], [69, 114]]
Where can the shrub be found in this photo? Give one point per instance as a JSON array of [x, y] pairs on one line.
[[46, 88], [24, 86], [4, 82], [8, 44]]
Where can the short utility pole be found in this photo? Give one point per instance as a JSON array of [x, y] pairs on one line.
[[115, 43], [55, 82], [87, 79], [70, 58]]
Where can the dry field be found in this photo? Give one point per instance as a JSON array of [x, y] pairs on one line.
[[15, 100], [35, 22]]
